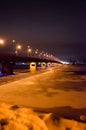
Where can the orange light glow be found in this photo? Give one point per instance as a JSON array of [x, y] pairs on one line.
[[1, 42]]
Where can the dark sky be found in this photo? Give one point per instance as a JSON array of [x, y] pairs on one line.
[[58, 27]]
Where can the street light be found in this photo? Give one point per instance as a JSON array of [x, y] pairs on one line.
[[44, 55], [36, 51], [29, 51], [18, 47], [1, 42], [13, 41]]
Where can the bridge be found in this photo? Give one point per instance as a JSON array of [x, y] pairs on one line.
[[8, 61]]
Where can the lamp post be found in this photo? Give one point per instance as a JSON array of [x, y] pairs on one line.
[[18, 47], [14, 47], [36, 52], [13, 41], [29, 51], [1, 42]]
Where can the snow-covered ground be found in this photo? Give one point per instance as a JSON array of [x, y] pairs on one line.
[[19, 118], [56, 100]]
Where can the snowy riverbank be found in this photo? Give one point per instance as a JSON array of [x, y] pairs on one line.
[[13, 117]]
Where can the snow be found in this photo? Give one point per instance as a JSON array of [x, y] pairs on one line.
[[13, 117], [54, 88]]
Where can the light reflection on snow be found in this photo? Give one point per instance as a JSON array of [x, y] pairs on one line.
[[13, 117]]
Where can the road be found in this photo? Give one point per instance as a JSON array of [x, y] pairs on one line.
[[59, 87]]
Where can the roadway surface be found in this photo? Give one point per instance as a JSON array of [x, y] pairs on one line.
[[62, 86]]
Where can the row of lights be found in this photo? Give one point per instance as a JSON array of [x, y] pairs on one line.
[[42, 54]]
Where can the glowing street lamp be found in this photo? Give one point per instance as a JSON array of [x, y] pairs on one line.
[[44, 54], [1, 42], [36, 53], [18, 47], [13, 41], [29, 51]]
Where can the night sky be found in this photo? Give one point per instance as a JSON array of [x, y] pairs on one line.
[[57, 27]]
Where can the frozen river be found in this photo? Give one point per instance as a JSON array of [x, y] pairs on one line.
[[60, 90], [60, 86]]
